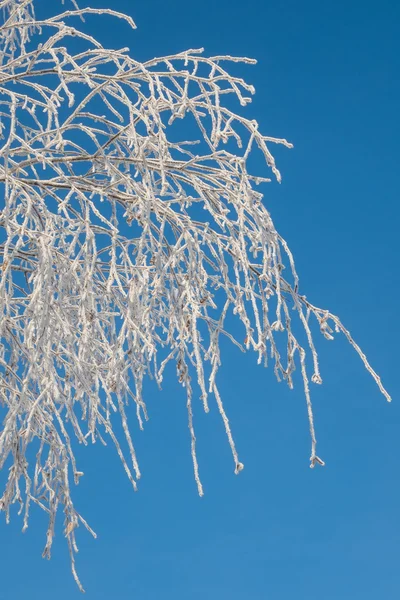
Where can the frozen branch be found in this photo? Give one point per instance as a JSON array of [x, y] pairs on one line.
[[126, 250]]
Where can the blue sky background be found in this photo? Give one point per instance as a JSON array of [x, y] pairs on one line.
[[327, 80]]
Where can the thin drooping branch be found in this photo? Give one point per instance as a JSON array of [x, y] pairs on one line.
[[126, 249]]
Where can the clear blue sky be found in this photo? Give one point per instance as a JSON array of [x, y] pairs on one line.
[[327, 80]]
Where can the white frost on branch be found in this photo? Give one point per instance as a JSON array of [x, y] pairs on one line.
[[125, 249]]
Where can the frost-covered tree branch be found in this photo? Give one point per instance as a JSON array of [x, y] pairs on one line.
[[126, 249]]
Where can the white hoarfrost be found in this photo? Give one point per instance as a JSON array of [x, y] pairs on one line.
[[125, 249]]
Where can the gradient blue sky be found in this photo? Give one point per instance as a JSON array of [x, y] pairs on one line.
[[327, 80]]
